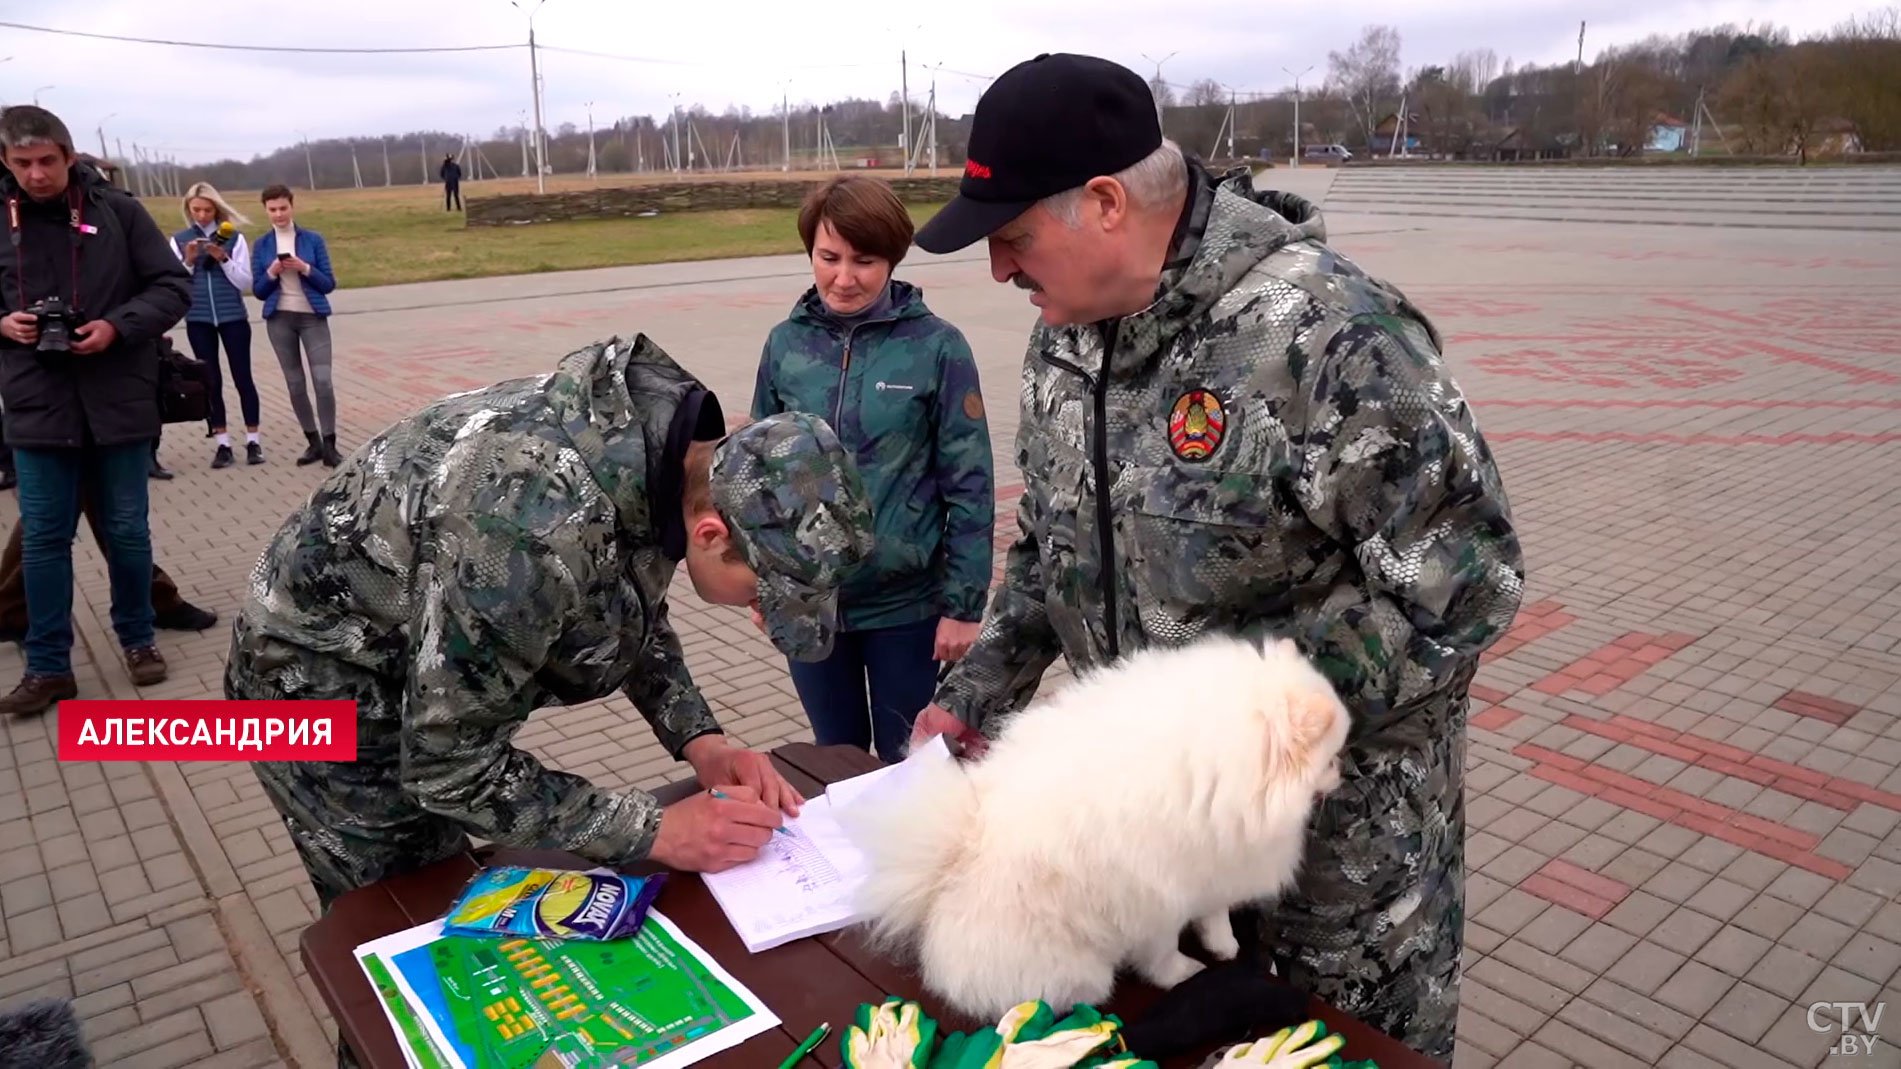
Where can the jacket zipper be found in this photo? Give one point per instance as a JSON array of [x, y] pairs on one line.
[[844, 372], [1099, 458]]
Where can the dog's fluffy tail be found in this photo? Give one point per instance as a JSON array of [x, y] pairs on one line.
[[42, 1035], [916, 843]]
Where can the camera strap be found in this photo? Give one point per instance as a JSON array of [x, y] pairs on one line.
[[76, 207]]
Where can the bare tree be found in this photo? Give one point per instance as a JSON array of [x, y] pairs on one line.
[[1205, 93], [1865, 54], [1471, 71], [1367, 74], [1780, 100]]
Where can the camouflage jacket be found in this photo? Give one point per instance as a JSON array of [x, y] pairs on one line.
[[500, 551], [1274, 446], [901, 391]]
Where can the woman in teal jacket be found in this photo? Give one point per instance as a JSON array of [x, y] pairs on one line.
[[899, 385]]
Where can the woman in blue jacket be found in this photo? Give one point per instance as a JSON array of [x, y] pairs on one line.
[[291, 274], [899, 386]]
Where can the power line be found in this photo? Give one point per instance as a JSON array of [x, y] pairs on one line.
[[694, 62], [256, 48]]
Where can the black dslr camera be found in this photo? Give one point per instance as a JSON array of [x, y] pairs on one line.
[[56, 322]]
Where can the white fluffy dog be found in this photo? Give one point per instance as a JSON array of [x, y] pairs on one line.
[[1102, 822]]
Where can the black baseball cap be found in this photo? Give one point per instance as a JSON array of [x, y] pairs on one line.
[[1045, 126]]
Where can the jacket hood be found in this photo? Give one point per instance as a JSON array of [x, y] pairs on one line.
[[907, 302], [615, 401], [1227, 229]]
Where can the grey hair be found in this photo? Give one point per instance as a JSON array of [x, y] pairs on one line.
[[23, 125], [206, 191], [1154, 181]]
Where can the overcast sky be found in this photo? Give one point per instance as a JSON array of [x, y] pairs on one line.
[[202, 105]]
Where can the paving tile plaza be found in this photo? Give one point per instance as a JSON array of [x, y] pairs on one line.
[[1684, 785]]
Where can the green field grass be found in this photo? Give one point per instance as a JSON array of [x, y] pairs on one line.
[[380, 236]]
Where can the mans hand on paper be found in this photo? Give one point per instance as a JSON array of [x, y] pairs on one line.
[[720, 765], [964, 741], [708, 834]]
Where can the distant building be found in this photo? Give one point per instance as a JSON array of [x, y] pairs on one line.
[[1667, 134]]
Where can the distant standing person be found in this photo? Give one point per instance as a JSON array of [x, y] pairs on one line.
[[451, 183], [291, 274], [220, 277], [900, 387]]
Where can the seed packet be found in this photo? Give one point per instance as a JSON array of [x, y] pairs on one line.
[[553, 904]]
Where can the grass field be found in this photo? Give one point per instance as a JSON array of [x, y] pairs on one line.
[[383, 235]]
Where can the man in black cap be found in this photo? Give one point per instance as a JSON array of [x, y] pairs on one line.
[[1227, 426]]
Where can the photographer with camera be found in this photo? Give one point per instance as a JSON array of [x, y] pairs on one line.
[[90, 285]]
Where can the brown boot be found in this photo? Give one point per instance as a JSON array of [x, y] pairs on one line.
[[147, 665], [36, 694]]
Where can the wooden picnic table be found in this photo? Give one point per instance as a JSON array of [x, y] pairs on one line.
[[806, 982]]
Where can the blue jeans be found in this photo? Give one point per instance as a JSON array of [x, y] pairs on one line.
[[872, 687], [49, 518]]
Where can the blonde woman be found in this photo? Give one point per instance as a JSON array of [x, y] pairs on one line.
[[220, 277]]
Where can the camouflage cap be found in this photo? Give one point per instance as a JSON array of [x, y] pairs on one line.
[[792, 496]]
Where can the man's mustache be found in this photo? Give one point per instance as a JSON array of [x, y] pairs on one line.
[[1024, 282]]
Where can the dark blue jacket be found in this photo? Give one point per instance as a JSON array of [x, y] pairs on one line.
[[311, 250], [214, 297]]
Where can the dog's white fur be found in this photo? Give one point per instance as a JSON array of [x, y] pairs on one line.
[[1102, 822]]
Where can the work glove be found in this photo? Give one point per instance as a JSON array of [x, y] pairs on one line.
[[894, 1034], [1035, 1039], [1300, 1047], [1030, 1037], [1122, 1061]]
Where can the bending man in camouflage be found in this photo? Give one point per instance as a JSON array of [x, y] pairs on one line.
[[1226, 426], [509, 549]]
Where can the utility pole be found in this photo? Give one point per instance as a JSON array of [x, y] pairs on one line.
[[104, 153], [1158, 80], [785, 117], [310, 169], [904, 89], [386, 178], [354, 169], [590, 139], [1231, 118], [534, 73], [422, 149], [1297, 77]]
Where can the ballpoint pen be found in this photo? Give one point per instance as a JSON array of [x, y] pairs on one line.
[[805, 1048], [717, 793]]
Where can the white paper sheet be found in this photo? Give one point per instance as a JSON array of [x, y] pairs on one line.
[[805, 882]]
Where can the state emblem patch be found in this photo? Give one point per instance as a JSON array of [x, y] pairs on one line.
[[1196, 425]]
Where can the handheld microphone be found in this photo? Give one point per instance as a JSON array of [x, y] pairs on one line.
[[225, 233]]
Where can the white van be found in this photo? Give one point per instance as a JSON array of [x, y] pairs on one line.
[[1328, 153]]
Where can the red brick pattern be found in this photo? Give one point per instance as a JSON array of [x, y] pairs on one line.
[[1494, 718], [1486, 695], [1687, 811], [1802, 703], [1534, 622], [1832, 791], [1575, 888], [1605, 669]]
